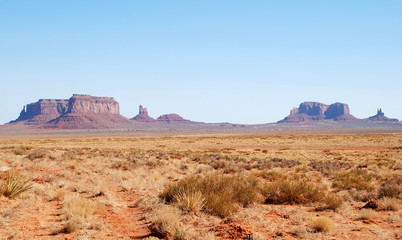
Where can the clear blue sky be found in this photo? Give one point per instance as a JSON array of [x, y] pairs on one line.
[[213, 61]]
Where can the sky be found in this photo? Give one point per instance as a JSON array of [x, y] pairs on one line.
[[212, 61]]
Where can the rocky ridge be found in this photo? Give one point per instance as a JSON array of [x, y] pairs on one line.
[[143, 116], [315, 111], [42, 111], [380, 117], [172, 118], [78, 112]]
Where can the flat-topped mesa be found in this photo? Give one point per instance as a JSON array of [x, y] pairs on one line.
[[315, 111], [380, 117], [87, 104], [78, 112], [42, 111], [143, 115], [172, 118]]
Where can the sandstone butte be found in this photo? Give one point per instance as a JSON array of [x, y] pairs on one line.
[[315, 112], [86, 112], [380, 117]]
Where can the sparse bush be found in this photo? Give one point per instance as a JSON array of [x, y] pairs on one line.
[[36, 154], [390, 189], [165, 221], [358, 179], [362, 195], [367, 214], [322, 224], [14, 185], [332, 201], [221, 193], [294, 192], [328, 167], [390, 204], [272, 175], [76, 209]]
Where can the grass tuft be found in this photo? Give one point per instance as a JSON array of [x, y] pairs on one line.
[[358, 179], [322, 224], [294, 192], [221, 194], [14, 185]]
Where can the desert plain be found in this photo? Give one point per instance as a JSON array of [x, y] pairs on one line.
[[230, 186]]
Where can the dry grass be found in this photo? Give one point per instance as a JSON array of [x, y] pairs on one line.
[[294, 192], [390, 204], [166, 221], [77, 209], [190, 201], [322, 224], [202, 180], [14, 185], [332, 202], [367, 214], [358, 179], [221, 194]]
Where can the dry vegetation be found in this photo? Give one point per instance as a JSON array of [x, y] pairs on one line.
[[229, 187]]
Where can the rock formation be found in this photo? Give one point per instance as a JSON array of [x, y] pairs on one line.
[[314, 111], [78, 112], [172, 118], [143, 116], [87, 104], [42, 111], [380, 117]]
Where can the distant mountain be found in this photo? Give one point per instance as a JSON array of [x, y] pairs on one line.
[[88, 112], [315, 112], [380, 117]]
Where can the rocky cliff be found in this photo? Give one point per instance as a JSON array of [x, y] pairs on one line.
[[78, 112], [87, 104], [315, 111], [142, 116], [380, 117], [43, 111]]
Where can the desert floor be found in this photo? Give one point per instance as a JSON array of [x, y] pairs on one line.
[[201, 187]]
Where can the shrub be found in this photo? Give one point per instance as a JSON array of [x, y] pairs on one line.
[[272, 175], [359, 179], [78, 207], [14, 185], [293, 191], [362, 195], [219, 193], [332, 201], [390, 189], [165, 221], [367, 214], [37, 154], [322, 224], [390, 204], [190, 201]]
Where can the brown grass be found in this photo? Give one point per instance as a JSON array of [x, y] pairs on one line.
[[322, 224], [294, 192], [221, 193], [358, 179], [215, 177]]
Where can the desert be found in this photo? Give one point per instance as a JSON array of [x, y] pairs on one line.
[[295, 186]]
